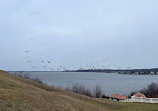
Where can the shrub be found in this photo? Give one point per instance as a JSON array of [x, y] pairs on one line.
[[26, 75], [97, 92], [151, 91], [37, 80], [81, 89], [23, 74], [106, 97]]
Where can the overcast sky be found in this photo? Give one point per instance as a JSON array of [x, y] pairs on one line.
[[74, 33]]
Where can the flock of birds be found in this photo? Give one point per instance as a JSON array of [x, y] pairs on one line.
[[46, 64]]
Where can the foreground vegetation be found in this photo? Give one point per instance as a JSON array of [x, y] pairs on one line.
[[19, 94], [151, 91]]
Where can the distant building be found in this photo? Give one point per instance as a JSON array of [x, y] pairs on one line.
[[117, 97], [137, 73], [152, 73], [140, 95]]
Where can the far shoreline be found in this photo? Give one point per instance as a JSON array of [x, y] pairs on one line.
[[153, 71]]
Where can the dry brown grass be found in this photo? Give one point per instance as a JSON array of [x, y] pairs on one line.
[[19, 94], [26, 95]]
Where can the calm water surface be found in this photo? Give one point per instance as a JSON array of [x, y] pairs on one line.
[[109, 82]]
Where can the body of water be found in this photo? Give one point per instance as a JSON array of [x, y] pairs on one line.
[[109, 82]]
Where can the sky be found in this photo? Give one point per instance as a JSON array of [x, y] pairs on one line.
[[75, 34]]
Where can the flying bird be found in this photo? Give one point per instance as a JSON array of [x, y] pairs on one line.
[[29, 61], [26, 51], [43, 61]]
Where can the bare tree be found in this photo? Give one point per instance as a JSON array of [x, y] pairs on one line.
[[23, 74], [97, 92], [80, 89], [151, 91]]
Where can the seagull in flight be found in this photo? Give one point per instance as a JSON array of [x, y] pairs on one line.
[[43, 61], [49, 62], [29, 61]]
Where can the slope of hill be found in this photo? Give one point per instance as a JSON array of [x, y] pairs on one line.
[[19, 94]]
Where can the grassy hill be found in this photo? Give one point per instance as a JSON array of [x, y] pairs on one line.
[[19, 94]]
